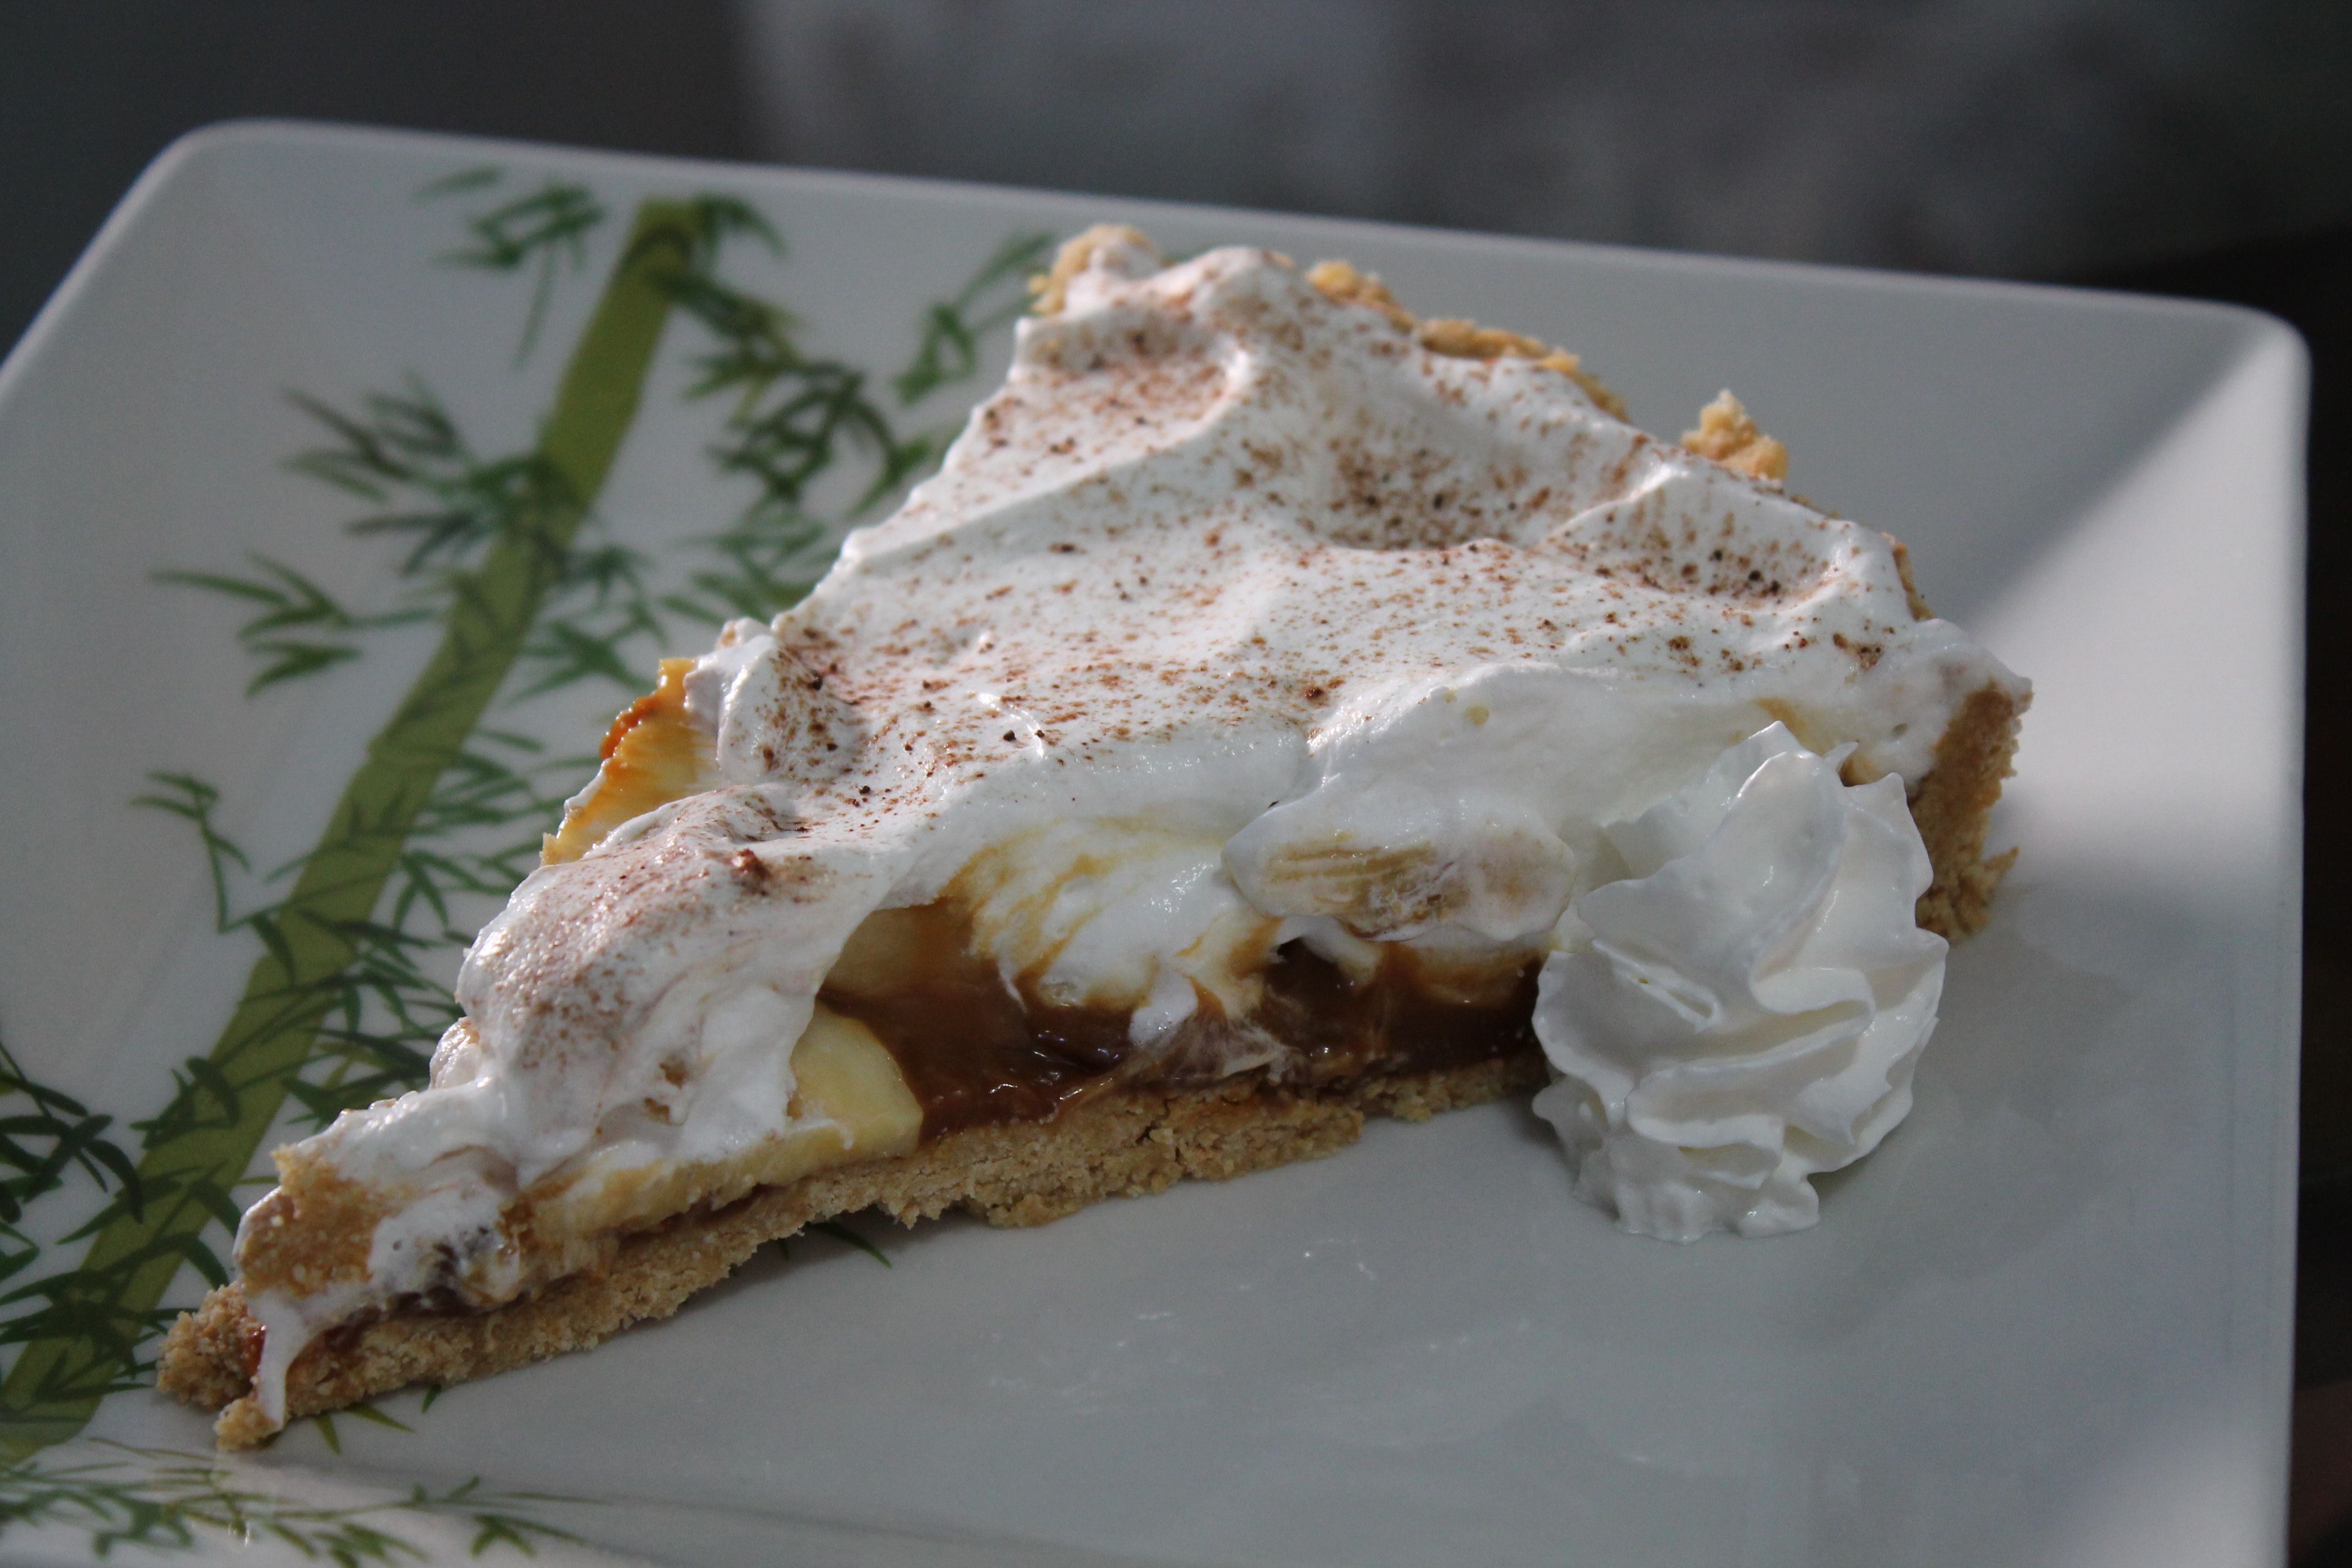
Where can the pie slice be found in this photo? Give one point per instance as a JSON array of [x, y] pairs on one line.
[[1278, 710]]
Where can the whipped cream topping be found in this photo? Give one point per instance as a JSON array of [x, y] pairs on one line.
[[1367, 640], [1120, 915], [1745, 1010]]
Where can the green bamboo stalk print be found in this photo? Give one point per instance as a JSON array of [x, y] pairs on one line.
[[208, 1136]]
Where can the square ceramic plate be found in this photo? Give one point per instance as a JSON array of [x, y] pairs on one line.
[[2047, 1322]]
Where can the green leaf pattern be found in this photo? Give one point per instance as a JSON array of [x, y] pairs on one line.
[[508, 555], [166, 1502]]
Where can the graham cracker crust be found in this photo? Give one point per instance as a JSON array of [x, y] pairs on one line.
[[1120, 1143], [1953, 810]]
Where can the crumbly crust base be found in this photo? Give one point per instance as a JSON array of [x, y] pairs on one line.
[[1726, 434], [1118, 1144], [1953, 810]]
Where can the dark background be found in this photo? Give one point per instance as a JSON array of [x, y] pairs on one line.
[[2174, 146]]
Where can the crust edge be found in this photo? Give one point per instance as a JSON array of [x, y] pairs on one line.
[[1953, 810], [1119, 1143]]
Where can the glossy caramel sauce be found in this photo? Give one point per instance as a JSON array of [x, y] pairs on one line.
[[976, 1049]]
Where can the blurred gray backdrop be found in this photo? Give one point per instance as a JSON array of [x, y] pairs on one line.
[[2041, 137], [2015, 137]]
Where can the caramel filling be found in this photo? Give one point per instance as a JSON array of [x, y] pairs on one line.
[[974, 1050]]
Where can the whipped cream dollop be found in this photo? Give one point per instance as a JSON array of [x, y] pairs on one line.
[[1744, 1011], [1240, 614]]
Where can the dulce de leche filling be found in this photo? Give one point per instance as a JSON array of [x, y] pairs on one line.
[[977, 1049]]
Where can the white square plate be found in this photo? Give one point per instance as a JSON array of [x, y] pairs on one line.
[[2048, 1323]]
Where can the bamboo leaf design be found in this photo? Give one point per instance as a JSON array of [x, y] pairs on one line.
[[364, 1411], [161, 1500], [471, 179], [342, 1006], [45, 1134], [87, 1338], [954, 329], [844, 1234], [184, 795], [286, 601], [546, 230]]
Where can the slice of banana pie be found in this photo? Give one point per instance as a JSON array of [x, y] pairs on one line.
[[1278, 710]]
